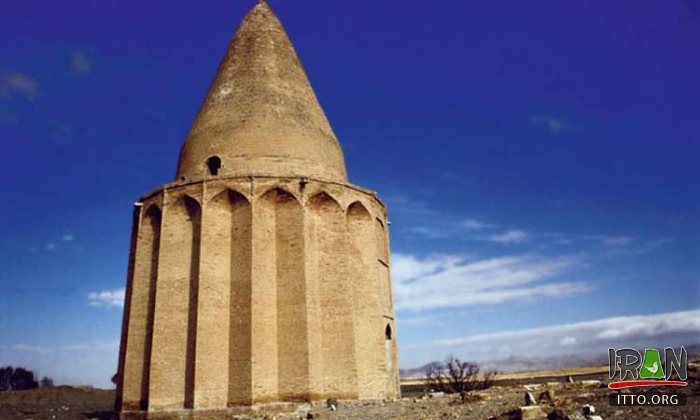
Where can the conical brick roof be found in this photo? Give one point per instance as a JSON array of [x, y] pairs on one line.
[[261, 115]]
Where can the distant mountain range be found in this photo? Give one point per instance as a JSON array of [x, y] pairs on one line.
[[520, 364]]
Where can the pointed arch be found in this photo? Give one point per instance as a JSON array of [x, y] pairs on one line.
[[388, 334], [231, 196], [362, 258], [175, 319], [279, 289], [358, 211], [278, 194], [192, 205], [381, 241], [323, 200], [153, 212], [223, 329], [194, 211], [139, 340], [336, 294]]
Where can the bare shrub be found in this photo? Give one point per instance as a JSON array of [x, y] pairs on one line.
[[457, 377]]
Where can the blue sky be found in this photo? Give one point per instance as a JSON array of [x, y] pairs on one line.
[[539, 160]]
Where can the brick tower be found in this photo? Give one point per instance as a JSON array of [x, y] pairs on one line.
[[261, 274]]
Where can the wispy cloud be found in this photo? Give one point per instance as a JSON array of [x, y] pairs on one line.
[[554, 125], [472, 224], [613, 241], [54, 244], [653, 245], [618, 241], [91, 346], [30, 348], [510, 237], [12, 83], [567, 341], [606, 241], [108, 298], [666, 329], [444, 281], [441, 229], [62, 129], [416, 321], [80, 63]]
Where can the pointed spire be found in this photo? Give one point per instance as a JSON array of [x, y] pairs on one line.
[[261, 115]]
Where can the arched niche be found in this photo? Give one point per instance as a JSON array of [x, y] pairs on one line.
[[336, 286], [224, 325], [280, 293], [358, 211], [381, 242], [324, 201], [361, 258], [141, 305], [192, 207], [278, 195], [229, 196], [175, 318], [153, 213]]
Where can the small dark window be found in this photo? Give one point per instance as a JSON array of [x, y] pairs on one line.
[[214, 164], [387, 332]]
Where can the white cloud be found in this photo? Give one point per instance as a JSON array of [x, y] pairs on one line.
[[475, 224], [17, 83], [91, 346], [409, 267], [416, 321], [68, 237], [609, 240], [107, 298], [510, 237], [653, 245], [440, 229], [80, 63], [665, 329], [617, 240], [50, 246], [554, 125], [442, 281], [30, 349], [568, 341]]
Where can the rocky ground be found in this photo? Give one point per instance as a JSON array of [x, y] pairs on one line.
[[559, 399], [61, 402]]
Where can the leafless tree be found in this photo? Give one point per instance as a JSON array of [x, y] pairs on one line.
[[457, 377]]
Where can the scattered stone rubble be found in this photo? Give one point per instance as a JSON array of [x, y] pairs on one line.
[[554, 401]]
